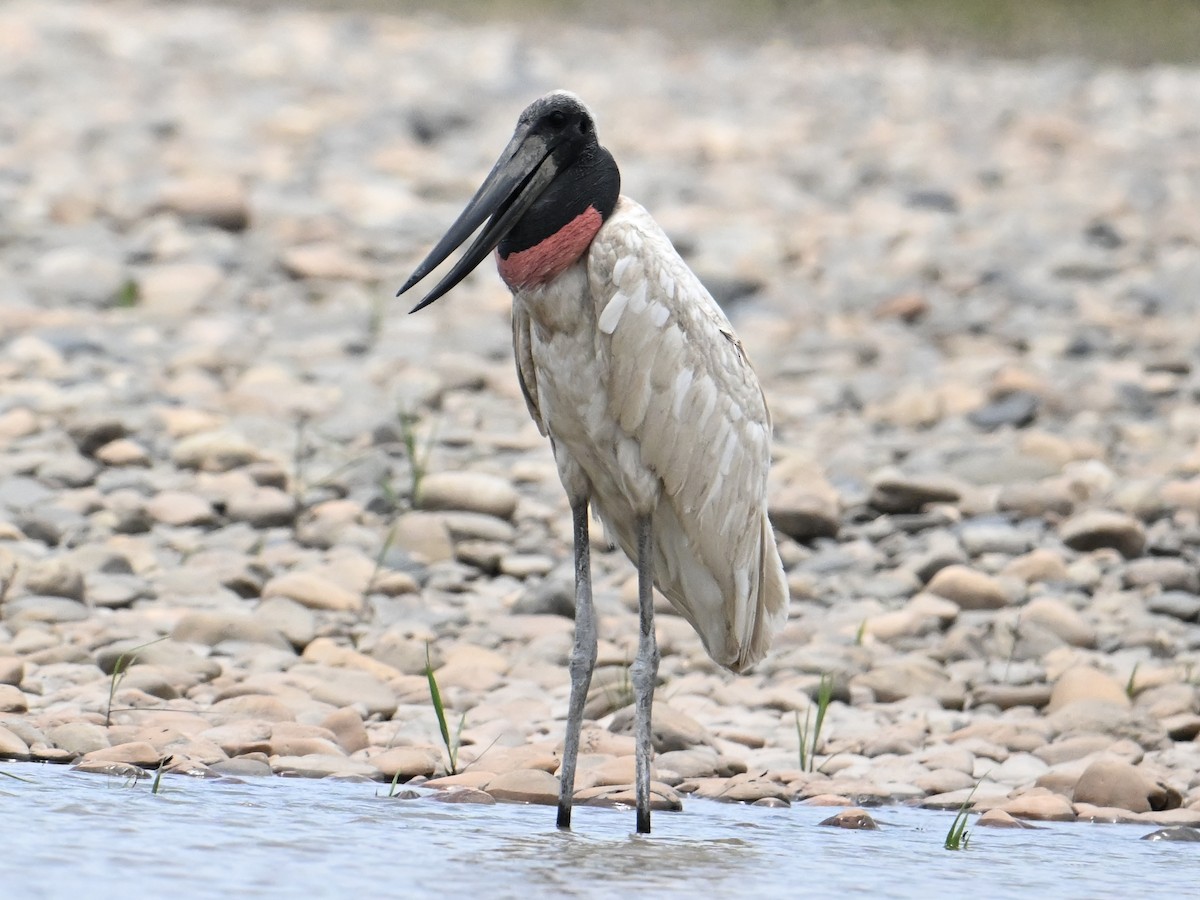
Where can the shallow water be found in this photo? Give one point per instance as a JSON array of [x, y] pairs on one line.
[[68, 834]]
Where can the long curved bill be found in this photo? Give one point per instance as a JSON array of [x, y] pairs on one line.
[[521, 173]]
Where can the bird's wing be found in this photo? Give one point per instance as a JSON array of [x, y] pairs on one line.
[[682, 388], [526, 372]]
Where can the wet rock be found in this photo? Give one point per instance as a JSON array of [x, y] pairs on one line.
[[855, 819], [1183, 834], [525, 786]]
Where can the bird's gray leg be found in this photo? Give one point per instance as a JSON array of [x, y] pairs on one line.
[[583, 660], [645, 671]]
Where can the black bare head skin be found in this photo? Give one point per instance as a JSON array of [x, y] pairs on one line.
[[587, 176]]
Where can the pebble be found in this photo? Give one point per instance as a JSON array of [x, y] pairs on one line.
[[470, 492], [1095, 529]]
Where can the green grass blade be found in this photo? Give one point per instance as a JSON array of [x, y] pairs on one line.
[[439, 709]]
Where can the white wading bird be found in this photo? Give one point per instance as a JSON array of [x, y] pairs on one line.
[[653, 412]]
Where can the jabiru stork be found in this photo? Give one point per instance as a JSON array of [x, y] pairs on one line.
[[654, 414]]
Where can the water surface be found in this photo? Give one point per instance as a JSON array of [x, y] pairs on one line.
[[68, 835]]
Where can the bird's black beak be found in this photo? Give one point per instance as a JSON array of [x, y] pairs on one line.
[[521, 173]]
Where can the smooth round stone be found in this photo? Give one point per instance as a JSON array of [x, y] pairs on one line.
[[1099, 528], [470, 492]]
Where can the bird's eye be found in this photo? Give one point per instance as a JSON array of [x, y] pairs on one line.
[[585, 125], [557, 119]]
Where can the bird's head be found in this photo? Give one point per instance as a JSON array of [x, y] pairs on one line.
[[544, 200]]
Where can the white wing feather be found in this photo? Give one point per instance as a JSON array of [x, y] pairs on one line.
[[682, 391]]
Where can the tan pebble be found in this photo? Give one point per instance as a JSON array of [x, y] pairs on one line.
[[1045, 807], [180, 508], [511, 759], [670, 728], [1186, 817], [826, 800], [406, 762], [241, 738], [393, 584], [12, 699], [606, 771], [327, 651], [347, 727], [1106, 815], [663, 798], [1086, 683], [1037, 565], [252, 706], [525, 786], [1110, 781], [854, 818], [324, 766], [325, 260], [468, 491], [314, 591], [968, 588], [472, 778], [998, 818], [424, 534], [136, 753], [1060, 619], [478, 679], [599, 740], [750, 791], [11, 746], [123, 452], [214, 451]]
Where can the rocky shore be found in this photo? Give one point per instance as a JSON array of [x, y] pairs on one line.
[[242, 495]]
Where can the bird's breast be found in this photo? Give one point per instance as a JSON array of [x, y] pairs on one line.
[[553, 255]]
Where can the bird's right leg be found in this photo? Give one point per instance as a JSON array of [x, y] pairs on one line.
[[583, 660]]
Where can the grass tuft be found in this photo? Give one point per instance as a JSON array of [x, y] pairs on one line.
[[124, 661], [439, 708], [957, 838], [1130, 686], [418, 455], [810, 732]]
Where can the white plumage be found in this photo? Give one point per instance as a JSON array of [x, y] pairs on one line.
[[633, 371]]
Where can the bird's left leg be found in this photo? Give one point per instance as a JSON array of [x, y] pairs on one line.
[[645, 670]]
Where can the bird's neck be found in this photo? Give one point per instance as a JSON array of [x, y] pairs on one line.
[[559, 227]]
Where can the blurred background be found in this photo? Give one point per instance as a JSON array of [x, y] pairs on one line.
[[1121, 31]]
